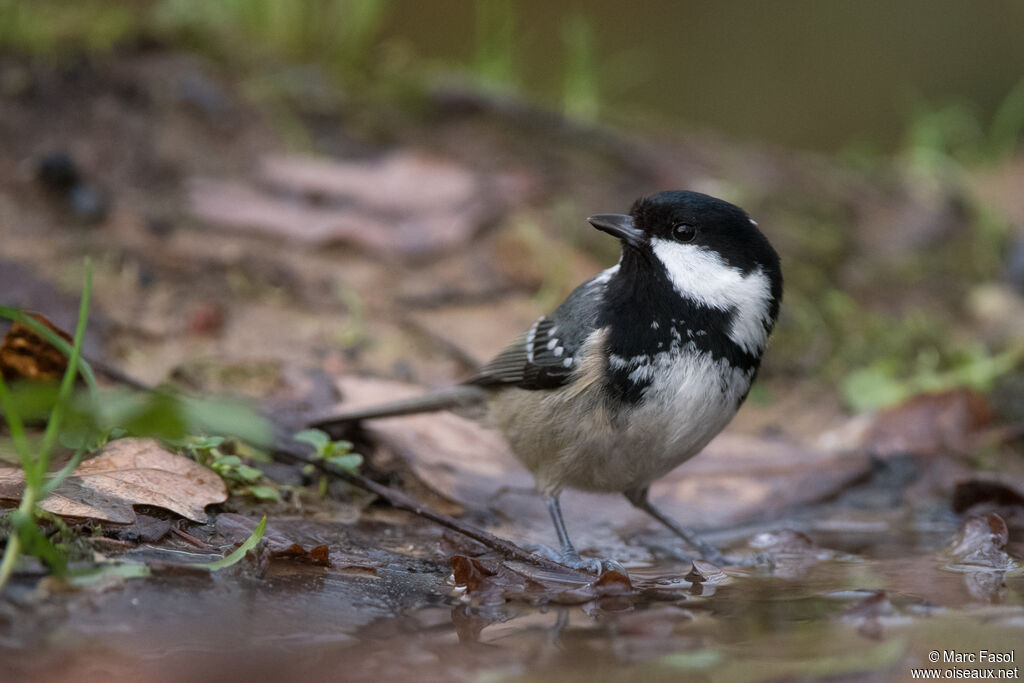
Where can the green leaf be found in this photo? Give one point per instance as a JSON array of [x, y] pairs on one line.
[[314, 437], [350, 462], [264, 492], [873, 387], [240, 552], [205, 443], [158, 414], [220, 416], [248, 474], [226, 462]]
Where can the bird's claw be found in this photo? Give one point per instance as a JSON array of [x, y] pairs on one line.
[[574, 560]]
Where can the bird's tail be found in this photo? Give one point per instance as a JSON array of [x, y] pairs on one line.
[[460, 396]]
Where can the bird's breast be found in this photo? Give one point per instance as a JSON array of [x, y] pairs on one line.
[[587, 440]]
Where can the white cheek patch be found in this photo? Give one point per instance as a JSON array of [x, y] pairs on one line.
[[701, 274]]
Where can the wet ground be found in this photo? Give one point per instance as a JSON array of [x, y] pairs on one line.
[[387, 615]]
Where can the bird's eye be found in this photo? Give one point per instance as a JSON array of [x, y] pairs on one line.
[[684, 232]]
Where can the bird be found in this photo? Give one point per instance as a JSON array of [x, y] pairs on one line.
[[638, 368]]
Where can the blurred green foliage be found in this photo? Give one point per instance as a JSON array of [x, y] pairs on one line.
[[54, 28], [886, 381], [335, 34], [338, 36], [940, 139], [494, 43], [580, 93]]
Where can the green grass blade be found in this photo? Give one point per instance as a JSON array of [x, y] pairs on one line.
[[68, 382], [58, 478], [130, 570], [14, 424], [240, 552]]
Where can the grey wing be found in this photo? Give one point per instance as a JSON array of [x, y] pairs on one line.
[[548, 353]]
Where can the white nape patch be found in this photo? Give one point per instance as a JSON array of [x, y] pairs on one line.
[[752, 222], [701, 274]]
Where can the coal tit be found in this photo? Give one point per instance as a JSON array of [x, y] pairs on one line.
[[640, 366]]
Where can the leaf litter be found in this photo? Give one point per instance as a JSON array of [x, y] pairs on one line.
[[128, 472], [404, 204]]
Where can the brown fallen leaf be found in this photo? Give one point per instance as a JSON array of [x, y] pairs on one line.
[[318, 555], [26, 355], [401, 182], [981, 544], [402, 204], [943, 422], [127, 472]]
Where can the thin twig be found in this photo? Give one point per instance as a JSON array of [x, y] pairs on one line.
[[117, 376], [189, 538]]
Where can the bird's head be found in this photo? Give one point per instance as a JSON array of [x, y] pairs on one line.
[[710, 252]]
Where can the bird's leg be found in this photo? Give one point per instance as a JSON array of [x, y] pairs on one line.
[[568, 554], [709, 552]]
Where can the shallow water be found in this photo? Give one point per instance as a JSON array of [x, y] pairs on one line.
[[384, 615]]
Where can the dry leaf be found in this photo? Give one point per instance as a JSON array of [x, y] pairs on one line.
[[943, 422], [401, 182], [400, 205], [26, 355], [128, 472], [981, 543]]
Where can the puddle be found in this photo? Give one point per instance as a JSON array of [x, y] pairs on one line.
[[402, 619]]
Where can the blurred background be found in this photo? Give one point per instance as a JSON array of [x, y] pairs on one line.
[[278, 195], [370, 178]]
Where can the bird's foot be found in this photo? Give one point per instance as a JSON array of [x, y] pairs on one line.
[[574, 560]]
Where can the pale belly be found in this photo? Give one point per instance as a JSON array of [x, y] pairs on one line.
[[580, 442]]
